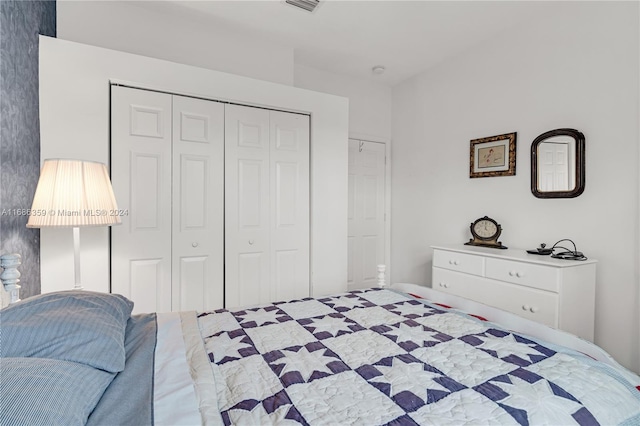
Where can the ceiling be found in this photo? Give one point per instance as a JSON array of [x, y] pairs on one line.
[[351, 37]]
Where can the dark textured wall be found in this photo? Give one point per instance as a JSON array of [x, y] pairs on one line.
[[20, 24]]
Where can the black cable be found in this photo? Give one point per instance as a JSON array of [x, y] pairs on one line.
[[567, 254]]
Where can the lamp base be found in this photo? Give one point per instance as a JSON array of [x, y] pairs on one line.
[[76, 258]]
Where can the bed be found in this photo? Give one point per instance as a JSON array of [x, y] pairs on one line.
[[376, 356]]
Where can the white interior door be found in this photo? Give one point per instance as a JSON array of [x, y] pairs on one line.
[[366, 212], [141, 179], [247, 248], [198, 204], [266, 205], [554, 170]]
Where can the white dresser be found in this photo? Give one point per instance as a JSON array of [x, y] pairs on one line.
[[558, 293]]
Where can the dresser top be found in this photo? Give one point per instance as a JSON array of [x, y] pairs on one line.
[[516, 254]]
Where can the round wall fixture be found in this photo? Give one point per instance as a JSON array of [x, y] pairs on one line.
[[378, 69]]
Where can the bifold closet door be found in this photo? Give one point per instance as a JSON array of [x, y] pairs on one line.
[[266, 205], [167, 159], [289, 207], [141, 178], [198, 204]]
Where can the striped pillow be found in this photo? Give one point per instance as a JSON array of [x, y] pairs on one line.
[[78, 326], [37, 391]]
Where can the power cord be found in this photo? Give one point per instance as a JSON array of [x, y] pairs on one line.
[[567, 253]]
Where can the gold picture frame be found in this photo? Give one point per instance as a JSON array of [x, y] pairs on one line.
[[493, 156]]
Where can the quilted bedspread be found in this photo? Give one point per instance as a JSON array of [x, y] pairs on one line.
[[382, 357]]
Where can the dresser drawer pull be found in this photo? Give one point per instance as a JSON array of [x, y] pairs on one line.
[[532, 309], [445, 285], [516, 274], [454, 262]]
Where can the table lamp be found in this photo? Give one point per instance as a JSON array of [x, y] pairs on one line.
[[73, 194]]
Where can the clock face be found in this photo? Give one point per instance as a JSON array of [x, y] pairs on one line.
[[485, 229], [486, 232]]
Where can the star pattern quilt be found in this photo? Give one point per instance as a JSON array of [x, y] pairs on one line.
[[382, 357]]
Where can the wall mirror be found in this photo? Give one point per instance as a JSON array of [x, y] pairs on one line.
[[557, 164]]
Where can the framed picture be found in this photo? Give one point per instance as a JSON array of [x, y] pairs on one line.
[[493, 156]]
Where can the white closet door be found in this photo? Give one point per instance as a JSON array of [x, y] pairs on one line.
[[289, 194], [141, 178], [366, 228], [266, 206], [247, 246], [198, 204]]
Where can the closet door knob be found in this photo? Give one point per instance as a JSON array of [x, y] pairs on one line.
[[194, 244]]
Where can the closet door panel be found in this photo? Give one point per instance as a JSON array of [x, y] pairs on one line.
[[252, 284], [143, 286], [251, 209], [192, 284], [289, 206], [247, 245], [141, 179], [198, 209], [146, 180]]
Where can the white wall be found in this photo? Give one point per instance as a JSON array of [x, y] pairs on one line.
[[151, 30], [369, 119], [154, 29], [578, 69], [369, 102], [74, 123]]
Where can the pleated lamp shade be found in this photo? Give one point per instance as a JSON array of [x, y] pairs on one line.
[[73, 193]]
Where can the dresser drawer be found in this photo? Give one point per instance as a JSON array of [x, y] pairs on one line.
[[460, 284], [537, 305], [526, 274], [460, 262]]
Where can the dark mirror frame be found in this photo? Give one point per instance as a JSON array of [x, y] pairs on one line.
[[580, 160]]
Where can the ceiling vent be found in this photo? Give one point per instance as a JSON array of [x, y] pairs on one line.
[[308, 5]]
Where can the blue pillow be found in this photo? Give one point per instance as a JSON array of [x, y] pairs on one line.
[[37, 391], [78, 326]]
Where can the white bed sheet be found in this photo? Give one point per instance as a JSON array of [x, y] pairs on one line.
[[184, 390]]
